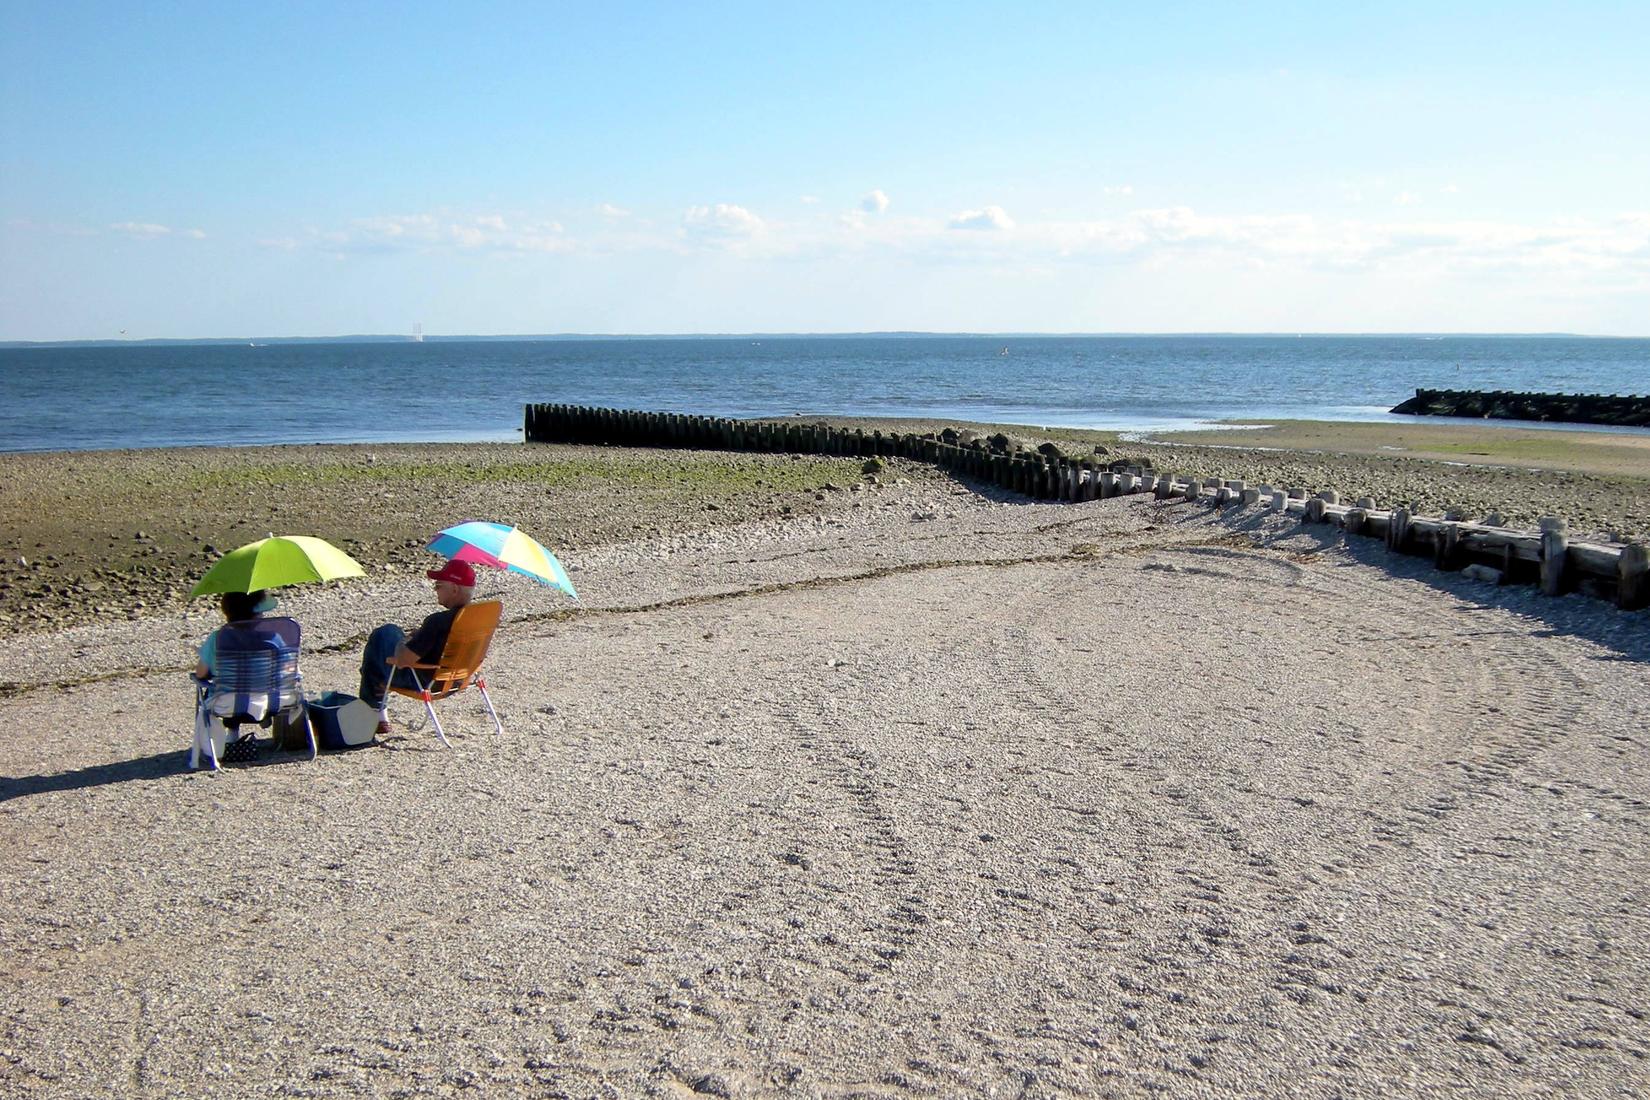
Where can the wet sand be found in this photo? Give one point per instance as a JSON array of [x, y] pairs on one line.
[[95, 535]]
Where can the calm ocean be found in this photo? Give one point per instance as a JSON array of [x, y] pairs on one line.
[[63, 398]]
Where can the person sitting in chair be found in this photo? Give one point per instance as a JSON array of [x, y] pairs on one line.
[[238, 607], [389, 647]]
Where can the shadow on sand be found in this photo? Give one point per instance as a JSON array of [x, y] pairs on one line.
[[161, 765]]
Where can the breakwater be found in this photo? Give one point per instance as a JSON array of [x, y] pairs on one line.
[[1581, 408], [1485, 549]]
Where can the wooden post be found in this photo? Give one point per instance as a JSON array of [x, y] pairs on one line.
[[1446, 549], [1397, 532], [1249, 496], [1633, 577], [1555, 547], [1314, 510], [1279, 500]]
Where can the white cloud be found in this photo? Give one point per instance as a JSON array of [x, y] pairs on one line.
[[1406, 198], [434, 233], [874, 203], [608, 210], [195, 234], [809, 200], [1603, 252], [722, 221], [1180, 234], [1123, 189], [143, 231], [991, 218]]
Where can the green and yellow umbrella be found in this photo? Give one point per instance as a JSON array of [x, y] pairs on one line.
[[275, 562]]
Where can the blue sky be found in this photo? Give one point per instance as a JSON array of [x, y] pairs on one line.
[[223, 170]]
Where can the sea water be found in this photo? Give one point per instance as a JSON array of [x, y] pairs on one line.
[[146, 395]]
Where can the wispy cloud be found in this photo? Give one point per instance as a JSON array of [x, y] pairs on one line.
[[991, 218], [1122, 190], [1343, 244], [143, 231], [874, 203], [432, 232], [722, 222], [608, 210], [1148, 238]]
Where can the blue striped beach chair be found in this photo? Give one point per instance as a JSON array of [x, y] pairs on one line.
[[255, 679]]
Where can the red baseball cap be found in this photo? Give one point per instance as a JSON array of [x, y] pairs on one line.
[[460, 573]]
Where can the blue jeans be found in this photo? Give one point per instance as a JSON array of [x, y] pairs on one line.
[[375, 669]]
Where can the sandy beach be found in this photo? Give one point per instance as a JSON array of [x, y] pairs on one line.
[[831, 786]]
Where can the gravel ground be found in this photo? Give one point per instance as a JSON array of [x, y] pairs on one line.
[[947, 794]]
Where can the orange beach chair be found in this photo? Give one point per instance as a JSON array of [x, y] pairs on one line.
[[460, 663]]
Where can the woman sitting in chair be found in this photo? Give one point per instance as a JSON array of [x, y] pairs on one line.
[[247, 672], [238, 607]]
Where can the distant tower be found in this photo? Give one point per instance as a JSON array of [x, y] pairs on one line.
[[418, 334]]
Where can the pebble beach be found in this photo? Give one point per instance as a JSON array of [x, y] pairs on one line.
[[837, 783]]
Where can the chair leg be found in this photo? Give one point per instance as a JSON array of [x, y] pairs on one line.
[[481, 685], [208, 732], [429, 707]]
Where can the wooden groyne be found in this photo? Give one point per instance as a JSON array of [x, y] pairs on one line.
[[1580, 408], [1484, 549]]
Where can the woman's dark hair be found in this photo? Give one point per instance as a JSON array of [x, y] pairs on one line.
[[238, 606]]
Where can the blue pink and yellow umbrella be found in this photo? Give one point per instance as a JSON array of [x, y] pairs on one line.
[[502, 547]]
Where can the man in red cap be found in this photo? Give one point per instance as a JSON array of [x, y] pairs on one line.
[[389, 646]]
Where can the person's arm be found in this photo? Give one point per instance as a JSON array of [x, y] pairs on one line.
[[404, 657], [206, 654], [424, 647]]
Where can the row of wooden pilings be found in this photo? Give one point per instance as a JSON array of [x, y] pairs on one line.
[[1032, 473], [1488, 550]]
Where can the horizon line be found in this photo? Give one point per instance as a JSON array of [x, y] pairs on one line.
[[777, 335]]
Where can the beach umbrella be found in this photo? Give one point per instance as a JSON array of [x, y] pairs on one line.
[[274, 562], [502, 547]]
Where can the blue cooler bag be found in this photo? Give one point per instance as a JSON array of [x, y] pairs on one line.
[[342, 721]]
